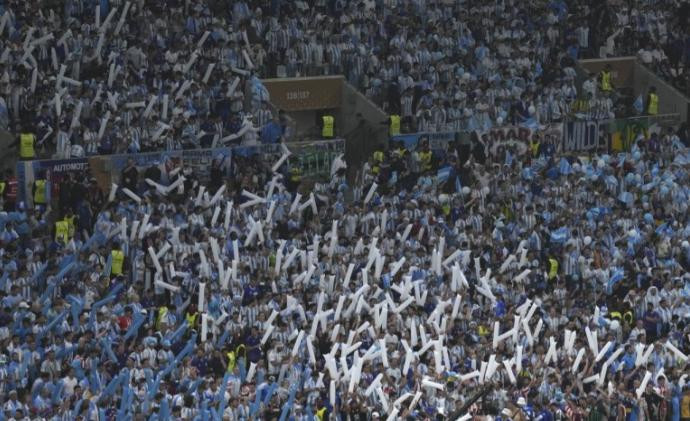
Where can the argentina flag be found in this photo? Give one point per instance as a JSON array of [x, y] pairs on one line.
[[638, 105], [617, 275], [443, 174], [528, 173], [560, 235]]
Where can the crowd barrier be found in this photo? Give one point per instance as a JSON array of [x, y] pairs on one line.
[[578, 136], [313, 158]]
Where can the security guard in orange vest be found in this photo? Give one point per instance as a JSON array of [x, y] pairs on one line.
[[327, 126], [652, 102]]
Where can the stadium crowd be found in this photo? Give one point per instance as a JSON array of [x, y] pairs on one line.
[[464, 283], [87, 77], [655, 32], [512, 287]]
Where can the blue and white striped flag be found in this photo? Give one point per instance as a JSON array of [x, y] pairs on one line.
[[617, 275], [443, 174], [638, 105], [528, 173], [560, 235]]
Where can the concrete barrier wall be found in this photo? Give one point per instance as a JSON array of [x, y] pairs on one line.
[[360, 124], [622, 69], [671, 101]]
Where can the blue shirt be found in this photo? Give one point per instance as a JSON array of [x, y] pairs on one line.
[[271, 132]]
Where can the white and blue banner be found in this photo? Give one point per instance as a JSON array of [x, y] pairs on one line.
[[583, 136]]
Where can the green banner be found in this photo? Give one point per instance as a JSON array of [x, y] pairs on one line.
[[315, 159], [625, 131]]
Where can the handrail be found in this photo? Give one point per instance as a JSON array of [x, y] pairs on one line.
[[262, 148]]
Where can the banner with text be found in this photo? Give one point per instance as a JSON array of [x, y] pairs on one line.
[[511, 137], [583, 136], [494, 139], [437, 140], [307, 93]]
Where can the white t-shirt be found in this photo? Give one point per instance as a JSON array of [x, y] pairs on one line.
[[645, 56], [69, 383]]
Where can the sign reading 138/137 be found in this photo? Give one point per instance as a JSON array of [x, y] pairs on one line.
[[297, 95]]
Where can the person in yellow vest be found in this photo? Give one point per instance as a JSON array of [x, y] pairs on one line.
[[327, 126], [652, 102], [235, 355], [378, 156], [232, 361], [27, 141], [553, 268], [69, 218], [425, 157], [61, 231], [322, 412], [40, 191], [605, 79], [394, 125], [118, 262], [192, 316], [534, 145]]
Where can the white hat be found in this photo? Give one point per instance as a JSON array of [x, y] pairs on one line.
[[521, 401]]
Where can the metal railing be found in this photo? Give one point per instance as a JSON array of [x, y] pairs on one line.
[[313, 157]]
